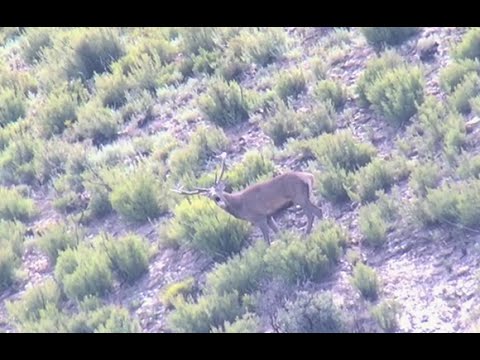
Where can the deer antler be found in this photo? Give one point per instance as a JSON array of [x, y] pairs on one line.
[[223, 156], [192, 192]]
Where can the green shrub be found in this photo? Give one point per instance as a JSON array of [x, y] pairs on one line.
[[331, 90], [254, 166], [385, 314], [341, 149], [379, 174], [209, 312], [290, 84], [463, 92], [321, 119], [16, 161], [35, 300], [374, 71], [455, 135], [139, 197], [224, 103], [207, 228], [12, 236], [243, 272], [34, 41], [182, 288], [334, 183], [205, 62], [469, 167], [195, 39], [8, 265], [425, 176], [118, 321], [187, 160], [231, 67], [469, 47], [379, 37], [455, 73], [97, 123], [12, 106], [396, 94], [372, 224], [128, 255], [14, 206], [432, 115], [57, 113], [58, 238], [366, 281], [312, 314], [112, 89], [93, 52], [248, 323], [283, 124], [261, 46], [84, 271]]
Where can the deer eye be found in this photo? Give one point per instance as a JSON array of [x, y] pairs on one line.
[[216, 198]]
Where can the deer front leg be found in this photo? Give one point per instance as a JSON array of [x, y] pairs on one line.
[[272, 224], [263, 225]]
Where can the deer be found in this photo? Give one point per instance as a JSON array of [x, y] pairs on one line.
[[259, 202]]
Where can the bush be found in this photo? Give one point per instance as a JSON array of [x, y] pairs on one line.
[[341, 149], [321, 119], [16, 165], [332, 91], [377, 175], [334, 183], [312, 314], [112, 89], [207, 228], [182, 288], [386, 314], [187, 161], [34, 41], [243, 272], [261, 46], [425, 176], [209, 312], [84, 271], [8, 265], [463, 92], [396, 94], [57, 113], [254, 166], [128, 255], [33, 302], [290, 84], [93, 52], [469, 167], [469, 47], [12, 106], [366, 281], [139, 197], [284, 124], [455, 73], [224, 104], [12, 236], [248, 323], [374, 71], [58, 238], [379, 37], [14, 206], [432, 115], [373, 225], [97, 123], [440, 205], [195, 39]]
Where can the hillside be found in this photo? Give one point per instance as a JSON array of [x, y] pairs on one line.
[[98, 125]]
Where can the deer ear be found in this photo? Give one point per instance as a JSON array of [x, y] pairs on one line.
[[227, 188]]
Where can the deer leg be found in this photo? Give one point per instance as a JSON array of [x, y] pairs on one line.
[[310, 219], [272, 224], [263, 225]]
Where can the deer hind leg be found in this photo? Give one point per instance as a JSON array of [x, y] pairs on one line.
[[272, 224]]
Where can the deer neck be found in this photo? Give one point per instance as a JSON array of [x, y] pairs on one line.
[[233, 205]]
